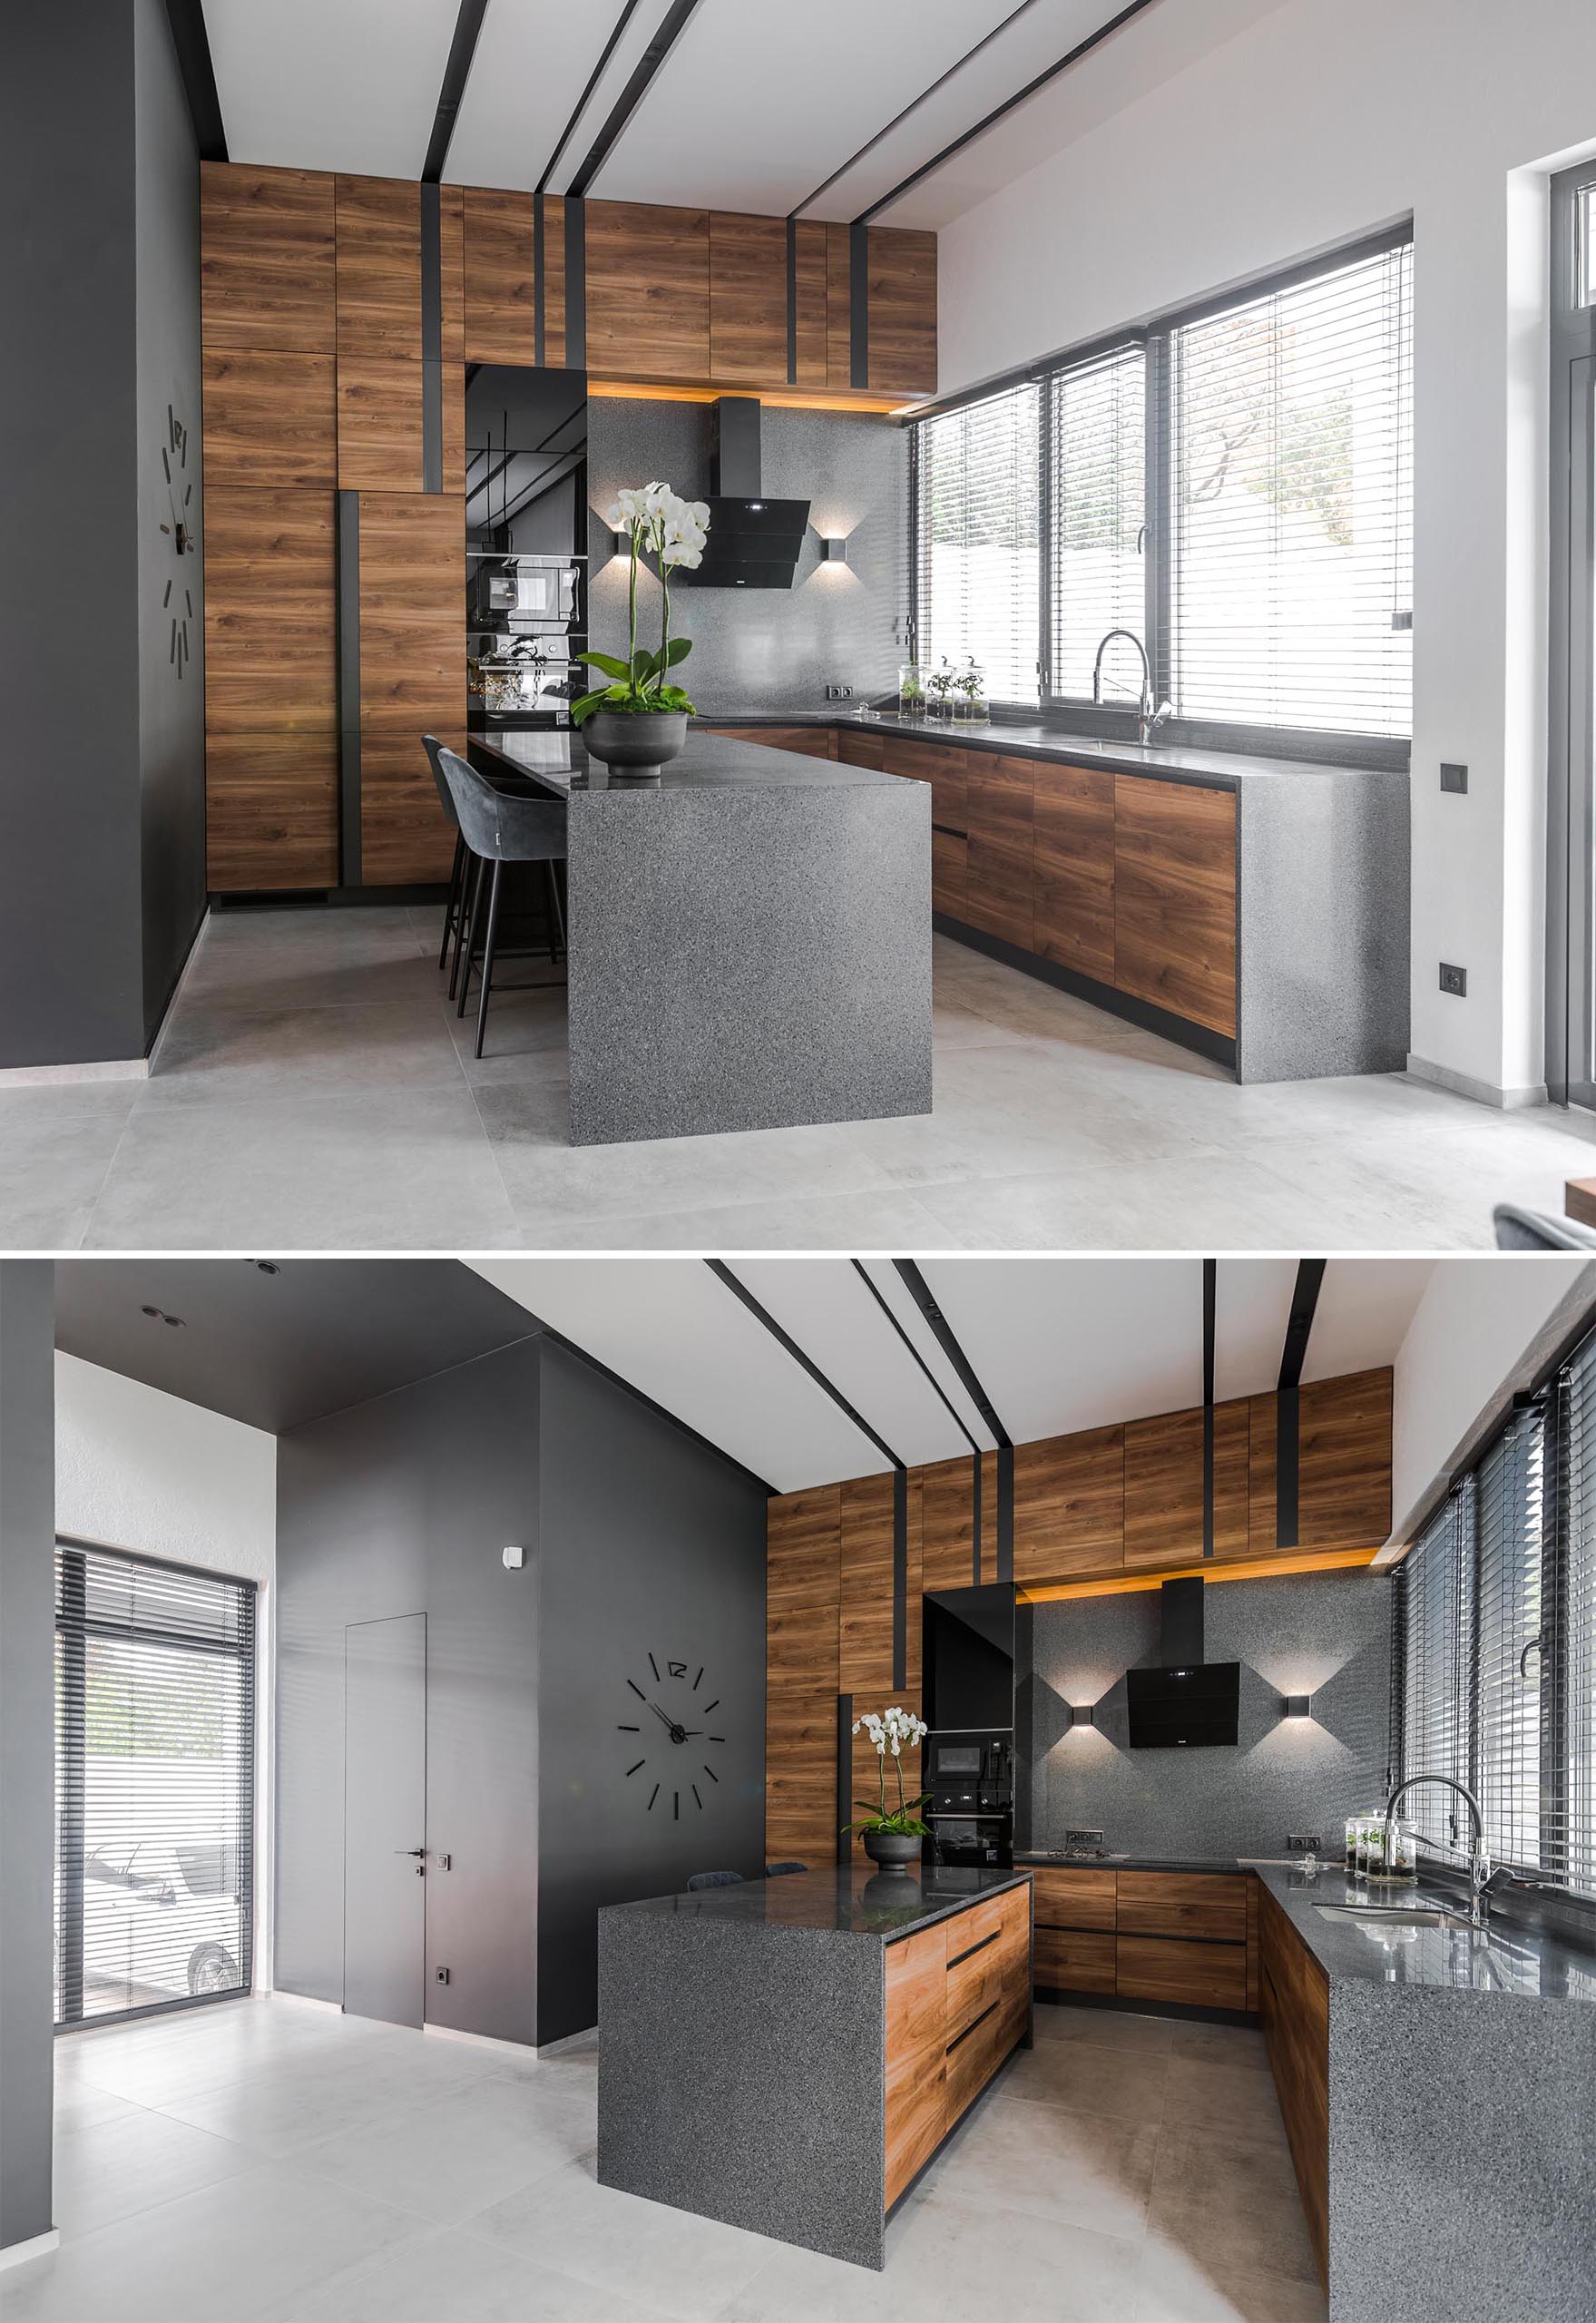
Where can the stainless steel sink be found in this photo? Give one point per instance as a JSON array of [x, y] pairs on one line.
[[1416, 1914]]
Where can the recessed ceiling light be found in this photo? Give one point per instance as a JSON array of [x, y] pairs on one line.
[[159, 1314], [264, 1266]]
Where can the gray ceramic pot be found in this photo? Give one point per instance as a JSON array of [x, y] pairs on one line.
[[893, 1850], [636, 743]]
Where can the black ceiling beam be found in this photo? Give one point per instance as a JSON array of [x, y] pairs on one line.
[[1305, 1298], [912, 106], [193, 43], [784, 1339], [920, 1291], [1082, 48], [664, 40], [622, 21], [457, 72], [952, 1409]]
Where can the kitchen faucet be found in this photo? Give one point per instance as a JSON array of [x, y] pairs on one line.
[[1479, 1858], [1148, 719]]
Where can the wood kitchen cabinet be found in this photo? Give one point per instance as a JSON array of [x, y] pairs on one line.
[[998, 807], [748, 299], [500, 277], [648, 290], [813, 742], [1344, 1466], [1070, 1505], [1175, 899], [958, 2000], [412, 678], [1173, 1936], [267, 267], [1293, 1995], [1164, 1486], [901, 309], [1073, 868]]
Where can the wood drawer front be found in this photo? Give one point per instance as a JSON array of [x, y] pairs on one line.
[[1070, 1898], [944, 770], [974, 1984], [1183, 1903], [997, 1916], [861, 749], [812, 742], [1175, 899], [972, 2060], [917, 2044], [1205, 1975], [998, 794], [949, 871], [1073, 867], [1067, 1960]]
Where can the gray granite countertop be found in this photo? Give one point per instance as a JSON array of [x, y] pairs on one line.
[[1175, 761], [710, 762], [1509, 1959], [1128, 1862], [856, 1902]]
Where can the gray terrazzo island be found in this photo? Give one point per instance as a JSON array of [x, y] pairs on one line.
[[749, 938], [745, 2047]]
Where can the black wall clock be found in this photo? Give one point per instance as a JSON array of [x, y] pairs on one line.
[[673, 1712], [178, 599]]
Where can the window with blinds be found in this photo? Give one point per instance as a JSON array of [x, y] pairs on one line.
[[1436, 1617], [154, 1783], [1509, 1546], [976, 506], [1568, 1660], [1291, 549], [1097, 514]]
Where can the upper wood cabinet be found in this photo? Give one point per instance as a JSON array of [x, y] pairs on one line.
[[268, 273], [864, 1624], [1070, 1505], [647, 291], [801, 1588], [747, 297], [1164, 1486], [499, 238], [999, 806], [1343, 1464], [1175, 899], [839, 335], [1072, 867], [901, 279], [270, 418], [948, 1524], [378, 267], [810, 294]]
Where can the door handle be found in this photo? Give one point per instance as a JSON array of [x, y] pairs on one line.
[[409, 1850]]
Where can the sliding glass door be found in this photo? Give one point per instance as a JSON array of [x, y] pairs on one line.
[[155, 1784], [1571, 896]]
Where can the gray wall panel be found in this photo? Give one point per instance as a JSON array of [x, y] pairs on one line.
[[1327, 1634], [774, 648], [27, 1730]]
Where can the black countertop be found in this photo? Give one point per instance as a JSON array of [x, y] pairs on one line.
[[856, 1902], [560, 763], [1044, 1856], [1173, 761], [1510, 1958]]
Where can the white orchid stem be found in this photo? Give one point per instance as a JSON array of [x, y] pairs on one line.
[[631, 601]]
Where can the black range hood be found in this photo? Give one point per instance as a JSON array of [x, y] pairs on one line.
[[753, 542], [1188, 1702]]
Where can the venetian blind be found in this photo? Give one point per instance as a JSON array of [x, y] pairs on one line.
[[1096, 440], [155, 1692], [1291, 554], [1568, 1668], [975, 539], [1509, 1615], [1436, 1610]]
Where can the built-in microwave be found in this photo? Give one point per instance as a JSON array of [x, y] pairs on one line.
[[971, 1806]]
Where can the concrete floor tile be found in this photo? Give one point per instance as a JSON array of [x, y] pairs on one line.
[[219, 1049], [55, 1148]]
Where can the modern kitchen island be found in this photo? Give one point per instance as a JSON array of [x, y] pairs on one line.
[[786, 2054], [750, 937]]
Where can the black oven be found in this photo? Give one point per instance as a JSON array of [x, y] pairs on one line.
[[971, 1808]]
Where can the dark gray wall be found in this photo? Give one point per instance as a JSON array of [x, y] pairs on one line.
[[102, 813], [71, 954], [1325, 1635], [765, 648], [171, 708], [637, 1537], [650, 1542], [403, 1505], [27, 1729]]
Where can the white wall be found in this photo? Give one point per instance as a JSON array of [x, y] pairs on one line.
[[1310, 125], [138, 1469], [1483, 1328]]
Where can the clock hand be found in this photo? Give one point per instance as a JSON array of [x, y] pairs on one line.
[[661, 1714]]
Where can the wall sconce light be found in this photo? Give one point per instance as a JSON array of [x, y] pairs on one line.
[[1296, 1706], [1083, 1714], [833, 549]]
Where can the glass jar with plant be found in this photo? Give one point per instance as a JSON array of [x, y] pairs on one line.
[[892, 1837], [639, 719], [940, 688], [971, 707], [911, 691]]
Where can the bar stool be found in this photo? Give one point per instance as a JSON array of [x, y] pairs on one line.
[[498, 828], [454, 908], [701, 1880]]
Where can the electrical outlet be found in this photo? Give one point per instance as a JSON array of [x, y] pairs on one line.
[[1455, 980], [1303, 1843], [442, 1974], [839, 693], [445, 1861], [1083, 1838], [1453, 778]]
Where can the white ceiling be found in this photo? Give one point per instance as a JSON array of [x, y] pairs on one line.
[[1056, 1344], [756, 105]]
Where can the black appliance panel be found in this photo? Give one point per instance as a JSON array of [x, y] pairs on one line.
[[1197, 1706]]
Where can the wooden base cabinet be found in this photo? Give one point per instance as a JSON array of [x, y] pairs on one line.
[[1181, 1938], [958, 2000], [1294, 1995]]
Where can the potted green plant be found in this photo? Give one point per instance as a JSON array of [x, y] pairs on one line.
[[891, 1839], [638, 721]]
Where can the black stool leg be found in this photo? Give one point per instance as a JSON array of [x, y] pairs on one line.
[[487, 956], [452, 907], [464, 952], [557, 915]]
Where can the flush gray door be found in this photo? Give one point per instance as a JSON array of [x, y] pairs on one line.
[[385, 1819]]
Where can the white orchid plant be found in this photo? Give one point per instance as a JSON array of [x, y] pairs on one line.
[[892, 1731], [672, 531]]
